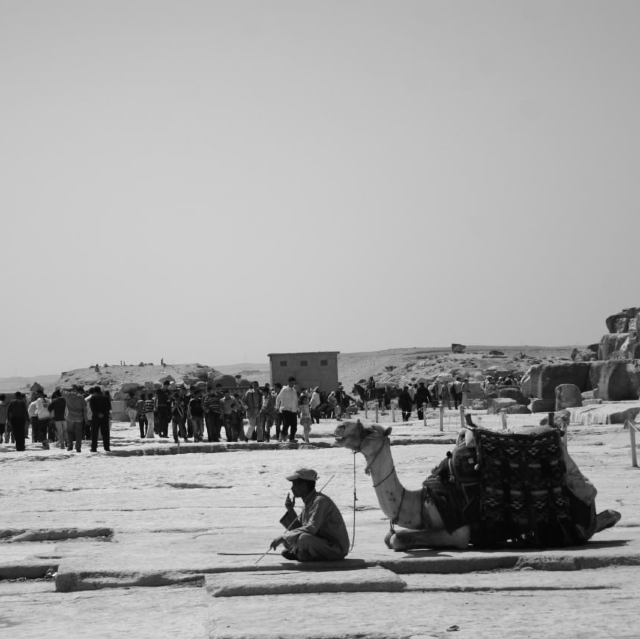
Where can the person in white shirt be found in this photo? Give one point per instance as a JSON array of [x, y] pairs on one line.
[[33, 420], [314, 405], [43, 414], [287, 406]]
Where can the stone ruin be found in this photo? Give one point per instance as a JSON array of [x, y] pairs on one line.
[[607, 371]]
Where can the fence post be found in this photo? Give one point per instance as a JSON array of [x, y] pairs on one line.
[[366, 410], [424, 413], [503, 416], [393, 413], [462, 422], [632, 437], [441, 418], [376, 413]]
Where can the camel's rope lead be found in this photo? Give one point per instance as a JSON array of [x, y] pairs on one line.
[[355, 499]]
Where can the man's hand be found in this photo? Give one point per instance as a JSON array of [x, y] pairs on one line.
[[276, 542], [289, 503]]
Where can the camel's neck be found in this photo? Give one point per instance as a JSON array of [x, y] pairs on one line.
[[403, 507]]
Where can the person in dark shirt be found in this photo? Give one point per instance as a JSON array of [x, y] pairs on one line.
[[100, 405], [423, 399], [58, 408], [319, 532], [17, 417], [163, 409], [196, 414]]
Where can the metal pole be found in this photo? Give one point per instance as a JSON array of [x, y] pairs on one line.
[[393, 412], [632, 436], [424, 413], [366, 410], [462, 422], [503, 415], [441, 418], [376, 413]]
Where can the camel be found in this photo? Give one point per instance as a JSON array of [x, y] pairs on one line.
[[410, 509]]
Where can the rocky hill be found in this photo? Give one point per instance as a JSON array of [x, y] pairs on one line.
[[400, 366], [397, 366]]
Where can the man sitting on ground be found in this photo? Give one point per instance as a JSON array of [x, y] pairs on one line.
[[319, 532]]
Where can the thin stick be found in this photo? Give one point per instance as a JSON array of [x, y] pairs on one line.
[[293, 522]]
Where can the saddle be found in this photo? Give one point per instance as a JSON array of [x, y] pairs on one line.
[[510, 488]]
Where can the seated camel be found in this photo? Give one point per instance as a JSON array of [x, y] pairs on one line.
[[460, 504]]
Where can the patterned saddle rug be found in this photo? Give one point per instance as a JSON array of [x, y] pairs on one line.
[[511, 489]]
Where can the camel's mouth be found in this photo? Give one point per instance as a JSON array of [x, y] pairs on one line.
[[338, 435]]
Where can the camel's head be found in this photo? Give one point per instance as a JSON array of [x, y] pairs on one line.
[[355, 435]]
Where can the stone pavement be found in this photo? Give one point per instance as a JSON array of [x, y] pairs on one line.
[[84, 536]]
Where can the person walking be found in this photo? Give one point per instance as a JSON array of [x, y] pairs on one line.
[[252, 401], [33, 420], [287, 406], [267, 412], [405, 404], [58, 408], [445, 395], [305, 417], [17, 419], [76, 416], [141, 416], [277, 418], [178, 417], [149, 413], [101, 411], [423, 399], [314, 405], [132, 408], [163, 410], [43, 415], [212, 415], [195, 412], [3, 418]]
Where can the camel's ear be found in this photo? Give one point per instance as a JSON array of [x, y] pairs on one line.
[[387, 431]]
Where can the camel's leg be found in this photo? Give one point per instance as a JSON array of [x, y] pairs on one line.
[[413, 539]]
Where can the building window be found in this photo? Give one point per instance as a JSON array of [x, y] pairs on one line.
[[283, 362], [324, 362], [304, 362]]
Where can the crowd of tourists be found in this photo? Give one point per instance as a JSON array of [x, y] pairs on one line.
[[261, 414], [65, 419], [205, 414], [74, 415]]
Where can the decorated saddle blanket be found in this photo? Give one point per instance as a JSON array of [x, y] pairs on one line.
[[510, 488]]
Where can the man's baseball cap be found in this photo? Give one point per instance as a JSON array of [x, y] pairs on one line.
[[304, 473]]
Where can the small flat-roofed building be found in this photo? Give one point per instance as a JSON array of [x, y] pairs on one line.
[[319, 368]]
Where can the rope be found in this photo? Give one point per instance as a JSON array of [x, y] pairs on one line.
[[355, 499]]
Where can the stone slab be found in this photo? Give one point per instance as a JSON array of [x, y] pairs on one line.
[[515, 604], [287, 582], [613, 413], [27, 569]]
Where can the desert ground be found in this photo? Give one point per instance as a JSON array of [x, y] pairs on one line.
[[156, 540]]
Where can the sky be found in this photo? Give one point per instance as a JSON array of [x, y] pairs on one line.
[[208, 181]]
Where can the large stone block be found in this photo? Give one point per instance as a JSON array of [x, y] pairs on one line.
[[541, 379], [611, 343], [568, 396], [583, 355], [497, 404], [619, 323], [512, 392], [616, 380], [542, 405], [518, 409]]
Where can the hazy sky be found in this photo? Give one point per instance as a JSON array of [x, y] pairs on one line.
[[214, 181]]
